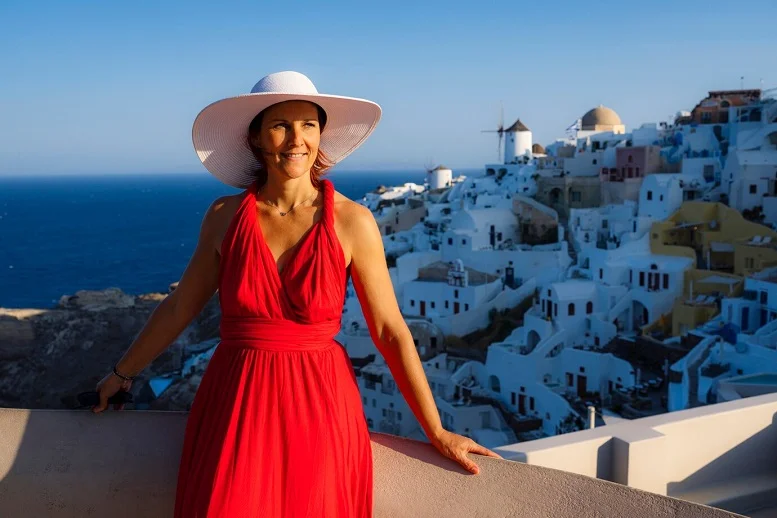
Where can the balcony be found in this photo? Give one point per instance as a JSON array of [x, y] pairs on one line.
[[71, 464]]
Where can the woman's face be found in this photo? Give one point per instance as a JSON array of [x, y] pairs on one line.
[[289, 137]]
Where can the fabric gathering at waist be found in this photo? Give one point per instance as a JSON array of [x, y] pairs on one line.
[[278, 335]]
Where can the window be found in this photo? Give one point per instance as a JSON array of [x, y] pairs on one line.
[[764, 297], [531, 403], [498, 236], [636, 171], [571, 309], [412, 302], [512, 398], [641, 278], [446, 304], [582, 369], [594, 161], [466, 307], [399, 416], [666, 281], [630, 159], [605, 223], [661, 198], [455, 294], [650, 195], [631, 172], [432, 304], [601, 273], [576, 196], [384, 412], [463, 241], [450, 240], [589, 307], [749, 262], [753, 189]]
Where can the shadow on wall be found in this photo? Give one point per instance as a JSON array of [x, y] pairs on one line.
[[72, 464], [754, 461]]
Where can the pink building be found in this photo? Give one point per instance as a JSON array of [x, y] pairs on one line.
[[633, 162]]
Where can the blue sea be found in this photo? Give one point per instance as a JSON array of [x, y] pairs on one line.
[[61, 234]]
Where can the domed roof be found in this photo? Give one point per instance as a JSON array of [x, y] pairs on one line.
[[537, 149], [518, 126], [601, 116]]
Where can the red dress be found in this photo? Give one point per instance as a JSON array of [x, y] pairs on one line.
[[277, 427]]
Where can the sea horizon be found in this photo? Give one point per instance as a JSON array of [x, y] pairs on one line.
[[61, 233]]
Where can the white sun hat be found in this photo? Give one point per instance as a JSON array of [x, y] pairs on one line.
[[220, 130]]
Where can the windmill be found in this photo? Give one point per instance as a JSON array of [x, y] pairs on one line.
[[500, 130]]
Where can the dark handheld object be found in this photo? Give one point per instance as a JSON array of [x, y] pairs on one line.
[[92, 398]]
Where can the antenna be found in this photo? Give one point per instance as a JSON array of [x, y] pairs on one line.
[[500, 130]]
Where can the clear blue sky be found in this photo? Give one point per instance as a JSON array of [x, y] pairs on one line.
[[105, 87]]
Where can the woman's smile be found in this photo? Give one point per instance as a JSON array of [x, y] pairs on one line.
[[294, 157]]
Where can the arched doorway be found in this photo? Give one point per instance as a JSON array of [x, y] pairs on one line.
[[555, 196], [640, 314], [493, 383], [532, 339]]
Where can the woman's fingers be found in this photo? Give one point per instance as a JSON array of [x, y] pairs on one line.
[[468, 464], [482, 450], [103, 402]]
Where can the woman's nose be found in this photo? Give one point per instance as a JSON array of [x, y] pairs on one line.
[[296, 136]]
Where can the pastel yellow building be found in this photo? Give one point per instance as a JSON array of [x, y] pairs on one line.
[[725, 248]]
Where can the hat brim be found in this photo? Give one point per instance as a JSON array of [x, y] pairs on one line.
[[220, 130]]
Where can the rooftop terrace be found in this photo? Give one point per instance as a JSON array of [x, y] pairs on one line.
[[67, 464]]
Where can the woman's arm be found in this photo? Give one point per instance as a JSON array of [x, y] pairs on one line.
[[195, 288], [393, 338], [174, 313]]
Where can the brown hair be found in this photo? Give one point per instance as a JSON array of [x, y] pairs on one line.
[[317, 170]]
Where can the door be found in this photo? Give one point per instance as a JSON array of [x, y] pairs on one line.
[[423, 308], [455, 308], [582, 387], [521, 404], [745, 318]]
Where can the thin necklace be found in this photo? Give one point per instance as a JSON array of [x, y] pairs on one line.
[[271, 204]]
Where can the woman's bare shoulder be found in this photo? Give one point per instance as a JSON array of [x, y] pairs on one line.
[[218, 217], [351, 214]]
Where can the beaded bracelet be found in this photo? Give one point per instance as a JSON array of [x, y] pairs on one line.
[[125, 378]]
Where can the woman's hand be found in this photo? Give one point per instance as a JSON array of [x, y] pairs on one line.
[[109, 386], [456, 446]]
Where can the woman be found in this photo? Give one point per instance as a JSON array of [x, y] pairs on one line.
[[277, 427]]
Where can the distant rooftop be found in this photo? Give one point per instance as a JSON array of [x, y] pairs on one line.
[[438, 272]]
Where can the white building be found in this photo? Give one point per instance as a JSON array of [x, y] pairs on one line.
[[518, 142], [440, 177]]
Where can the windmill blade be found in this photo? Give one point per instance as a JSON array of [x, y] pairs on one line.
[[501, 130]]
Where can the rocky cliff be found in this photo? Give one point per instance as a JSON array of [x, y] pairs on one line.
[[48, 356]]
